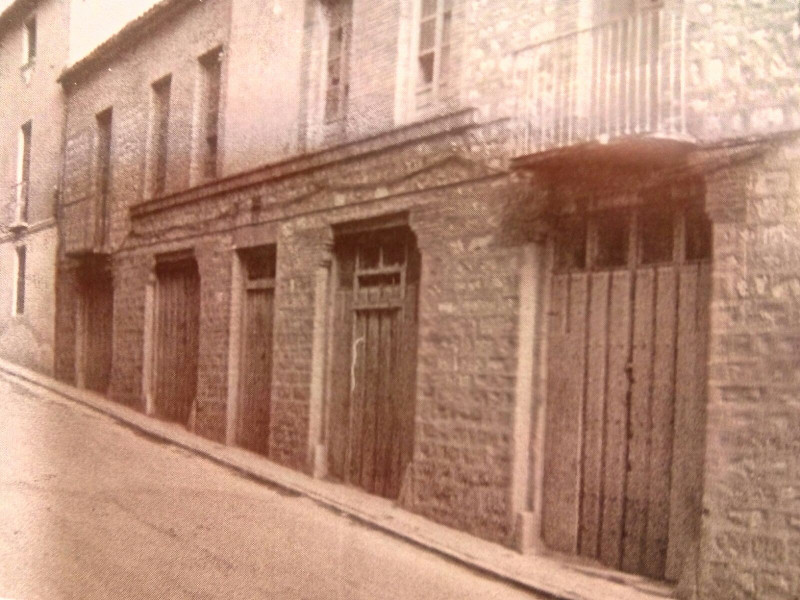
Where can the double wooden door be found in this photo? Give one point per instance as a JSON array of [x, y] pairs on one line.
[[371, 415], [256, 361], [627, 339], [177, 339]]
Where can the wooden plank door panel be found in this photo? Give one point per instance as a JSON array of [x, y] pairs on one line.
[[97, 297], [386, 403], [357, 398], [615, 454], [178, 323], [662, 419], [378, 407], [690, 414], [257, 369], [594, 414], [564, 419], [341, 383], [406, 363], [639, 422], [372, 387]]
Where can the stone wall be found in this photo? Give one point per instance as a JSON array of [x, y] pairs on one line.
[[751, 531], [742, 67], [457, 208], [124, 85], [28, 338]]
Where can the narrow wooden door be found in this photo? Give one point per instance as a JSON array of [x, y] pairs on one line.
[[256, 362], [374, 361], [93, 322], [627, 353], [98, 300], [177, 339]]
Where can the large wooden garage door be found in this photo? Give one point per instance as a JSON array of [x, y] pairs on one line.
[[374, 360], [256, 363], [628, 328], [177, 338]]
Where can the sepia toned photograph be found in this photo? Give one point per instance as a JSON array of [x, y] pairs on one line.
[[400, 299]]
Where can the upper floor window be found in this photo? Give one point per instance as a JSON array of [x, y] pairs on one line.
[[29, 42], [211, 81], [103, 169], [433, 50], [24, 171], [160, 130], [104, 120], [339, 32], [19, 281]]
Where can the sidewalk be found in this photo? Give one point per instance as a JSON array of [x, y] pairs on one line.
[[543, 576]]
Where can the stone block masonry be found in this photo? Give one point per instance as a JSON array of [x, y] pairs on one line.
[[751, 525], [468, 303]]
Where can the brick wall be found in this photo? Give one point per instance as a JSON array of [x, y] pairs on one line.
[[130, 280], [373, 66], [125, 86], [301, 248], [214, 263], [751, 532]]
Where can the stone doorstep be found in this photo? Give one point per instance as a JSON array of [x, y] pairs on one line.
[[543, 575]]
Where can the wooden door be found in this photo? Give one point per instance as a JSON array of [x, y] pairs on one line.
[[98, 302], [627, 339], [93, 322], [374, 361], [177, 339], [256, 362]]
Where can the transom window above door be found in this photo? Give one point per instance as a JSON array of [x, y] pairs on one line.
[[632, 236]]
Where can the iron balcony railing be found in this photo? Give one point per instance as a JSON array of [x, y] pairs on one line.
[[620, 78]]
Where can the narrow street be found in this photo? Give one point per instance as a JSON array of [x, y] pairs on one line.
[[90, 509]]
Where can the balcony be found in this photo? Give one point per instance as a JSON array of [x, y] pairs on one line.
[[83, 224], [618, 84]]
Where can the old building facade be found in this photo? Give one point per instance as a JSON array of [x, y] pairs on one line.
[[528, 267], [33, 52]]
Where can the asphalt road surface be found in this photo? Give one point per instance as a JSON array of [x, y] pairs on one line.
[[89, 509]]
